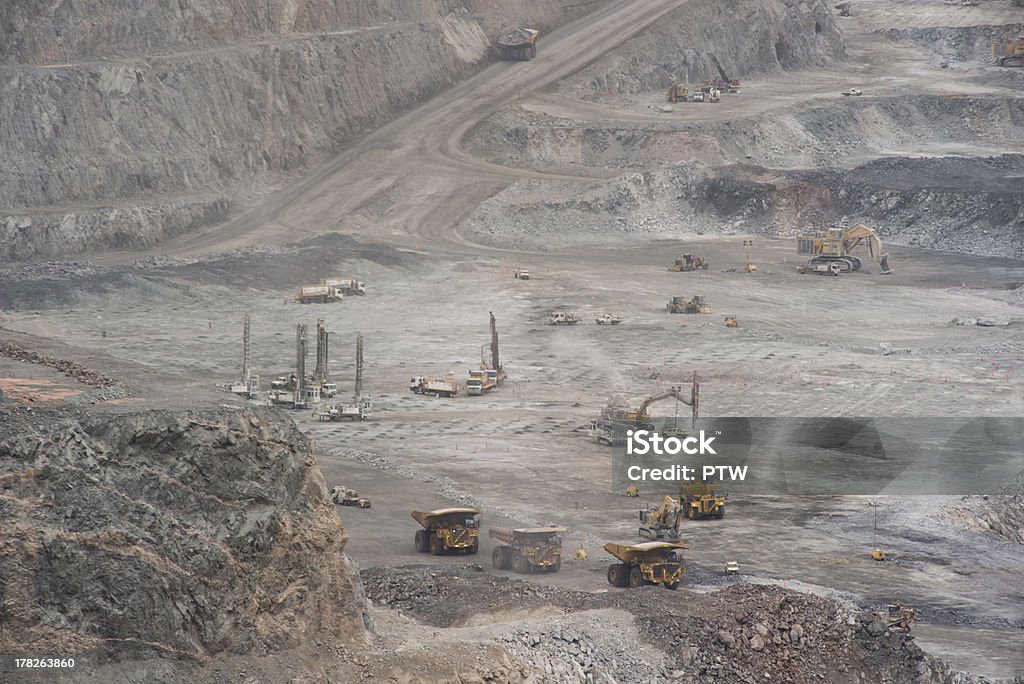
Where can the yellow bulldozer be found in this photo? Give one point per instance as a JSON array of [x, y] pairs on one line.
[[1009, 54], [689, 262], [677, 92], [896, 616], [836, 246], [682, 305]]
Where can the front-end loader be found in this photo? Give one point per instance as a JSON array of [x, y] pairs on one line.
[[701, 500]]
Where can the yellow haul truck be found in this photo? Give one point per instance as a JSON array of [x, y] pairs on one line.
[[648, 563], [448, 529], [527, 549]]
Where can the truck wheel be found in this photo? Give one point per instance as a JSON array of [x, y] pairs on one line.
[[422, 542], [436, 546], [498, 557], [720, 513], [636, 578], [615, 574], [556, 566], [519, 563], [474, 548]]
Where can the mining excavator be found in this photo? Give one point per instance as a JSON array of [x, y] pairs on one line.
[[1009, 54], [661, 522], [615, 419], [836, 245]]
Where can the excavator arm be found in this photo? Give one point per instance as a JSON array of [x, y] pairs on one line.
[[693, 401], [660, 396], [854, 236]]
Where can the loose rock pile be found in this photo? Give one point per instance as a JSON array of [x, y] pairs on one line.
[[1000, 515], [744, 633], [72, 369]]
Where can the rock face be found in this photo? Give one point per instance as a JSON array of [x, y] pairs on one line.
[[120, 127], [717, 38], [167, 534]]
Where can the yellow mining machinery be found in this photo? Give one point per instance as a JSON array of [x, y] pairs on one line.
[[661, 522], [527, 549], [689, 262], [677, 92], [836, 246], [617, 418], [701, 500], [649, 563], [447, 530], [682, 305], [1009, 54]]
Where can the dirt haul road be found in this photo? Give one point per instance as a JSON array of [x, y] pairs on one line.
[[416, 161]]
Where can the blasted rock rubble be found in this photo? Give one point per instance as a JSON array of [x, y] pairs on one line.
[[744, 633], [72, 369], [1002, 516]]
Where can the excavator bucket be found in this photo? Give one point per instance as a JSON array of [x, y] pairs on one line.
[[883, 265]]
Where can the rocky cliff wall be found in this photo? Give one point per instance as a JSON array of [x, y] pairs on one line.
[[172, 535], [716, 38], [122, 126]]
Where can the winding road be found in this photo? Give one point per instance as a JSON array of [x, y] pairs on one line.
[[410, 182]]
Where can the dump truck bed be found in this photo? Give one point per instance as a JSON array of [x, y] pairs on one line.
[[520, 36], [628, 552], [507, 536], [427, 518]]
